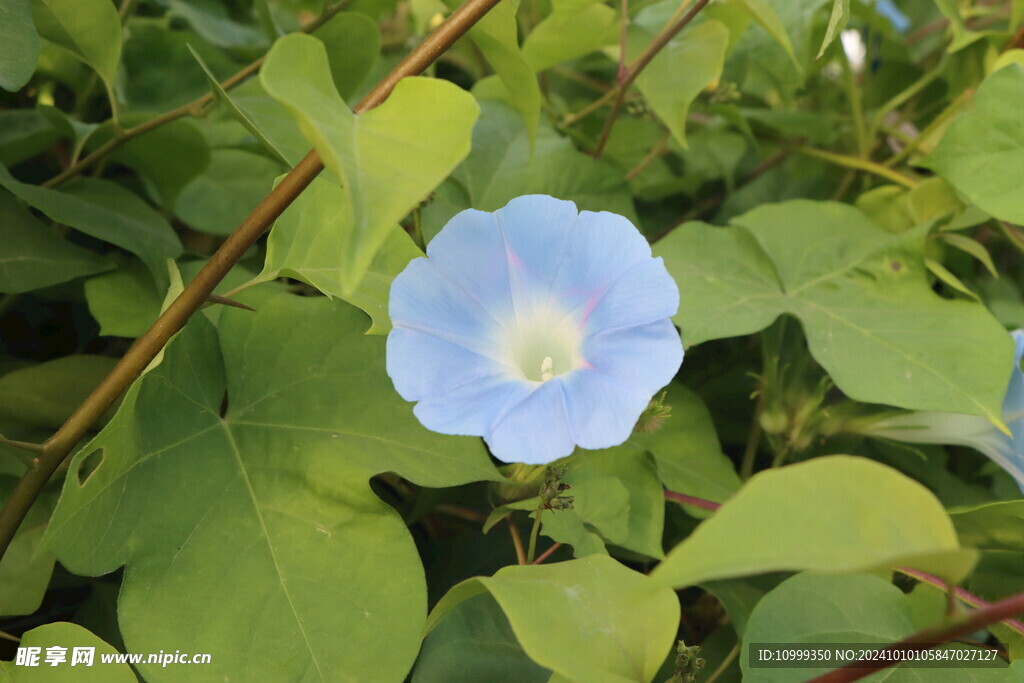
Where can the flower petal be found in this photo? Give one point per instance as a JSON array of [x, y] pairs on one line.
[[535, 431], [643, 294], [537, 230], [470, 251], [602, 410], [604, 246], [645, 358], [470, 409], [422, 365], [422, 298]]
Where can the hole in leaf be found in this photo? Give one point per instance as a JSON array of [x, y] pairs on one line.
[[224, 405], [89, 464]]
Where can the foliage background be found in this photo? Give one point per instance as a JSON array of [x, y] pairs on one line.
[[843, 225]]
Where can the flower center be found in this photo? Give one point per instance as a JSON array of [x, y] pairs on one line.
[[544, 346]]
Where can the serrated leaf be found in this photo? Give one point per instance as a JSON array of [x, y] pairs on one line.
[[589, 620], [869, 315], [387, 159], [766, 527], [34, 255], [281, 532], [982, 152], [19, 44]]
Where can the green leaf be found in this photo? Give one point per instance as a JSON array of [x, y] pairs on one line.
[[587, 620], [306, 240], [992, 526], [88, 29], [687, 65], [34, 255], [26, 569], [46, 394], [125, 301], [617, 499], [762, 12], [687, 452], [108, 212], [475, 643], [496, 35], [387, 159], [236, 492], [836, 23], [982, 151], [830, 514], [869, 314], [70, 636], [19, 44], [24, 133], [241, 116], [573, 29], [169, 156], [500, 168], [236, 181], [212, 22], [352, 41], [808, 610]]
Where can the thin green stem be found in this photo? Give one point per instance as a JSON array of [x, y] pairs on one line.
[[900, 98], [856, 108], [753, 440], [517, 540], [650, 52], [853, 162], [146, 347], [717, 673], [532, 552], [193, 108]]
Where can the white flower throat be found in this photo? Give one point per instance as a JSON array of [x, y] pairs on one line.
[[543, 344]]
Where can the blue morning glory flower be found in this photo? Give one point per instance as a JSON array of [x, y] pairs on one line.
[[971, 430], [536, 327]]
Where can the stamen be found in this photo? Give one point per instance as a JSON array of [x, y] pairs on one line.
[[547, 369]]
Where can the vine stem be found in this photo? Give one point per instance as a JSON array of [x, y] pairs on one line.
[[193, 108], [641, 62], [532, 552], [517, 540], [691, 500], [146, 347], [547, 553], [929, 638], [856, 164]]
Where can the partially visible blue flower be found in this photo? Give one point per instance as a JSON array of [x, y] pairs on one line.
[[898, 19], [535, 327], [970, 430]]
